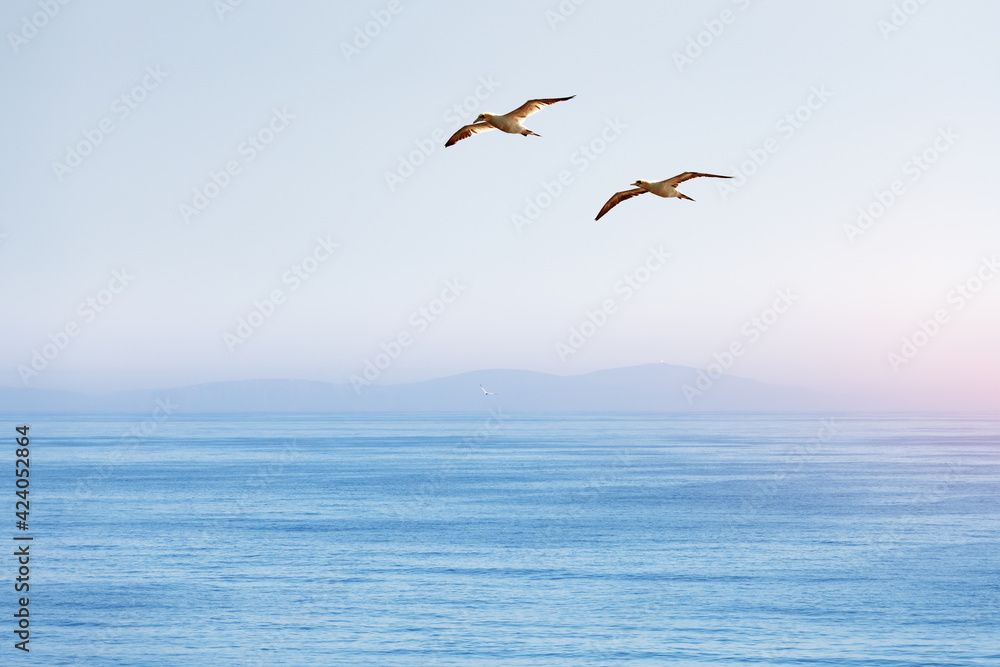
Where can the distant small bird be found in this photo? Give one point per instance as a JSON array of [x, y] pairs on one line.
[[488, 393], [667, 188], [508, 122]]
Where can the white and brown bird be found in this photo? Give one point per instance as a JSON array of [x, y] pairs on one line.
[[508, 122], [667, 188], [487, 393]]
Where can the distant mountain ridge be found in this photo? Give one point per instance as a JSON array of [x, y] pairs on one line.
[[647, 388]]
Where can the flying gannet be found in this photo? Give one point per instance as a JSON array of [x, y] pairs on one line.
[[667, 188], [508, 122], [487, 393]]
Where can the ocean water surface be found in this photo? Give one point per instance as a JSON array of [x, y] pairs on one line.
[[499, 539]]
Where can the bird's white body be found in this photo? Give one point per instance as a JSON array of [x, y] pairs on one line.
[[505, 123], [659, 188]]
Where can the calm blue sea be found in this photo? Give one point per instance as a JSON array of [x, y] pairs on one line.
[[500, 539]]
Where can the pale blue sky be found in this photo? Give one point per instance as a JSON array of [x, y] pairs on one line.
[[324, 175]]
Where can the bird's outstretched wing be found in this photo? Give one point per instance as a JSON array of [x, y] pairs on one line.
[[618, 198], [531, 106], [687, 176], [468, 131]]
